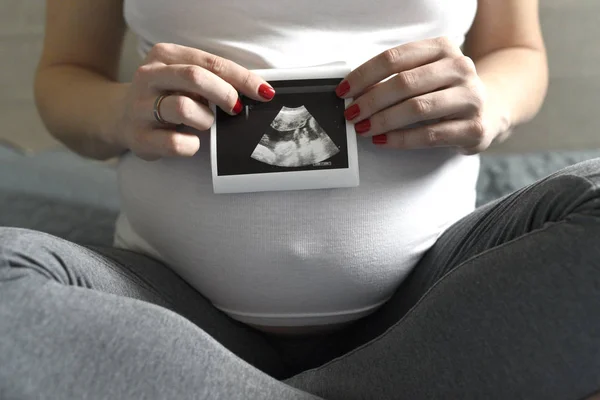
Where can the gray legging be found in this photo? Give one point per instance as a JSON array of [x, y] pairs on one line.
[[506, 305]]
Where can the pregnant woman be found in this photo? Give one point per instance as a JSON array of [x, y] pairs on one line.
[[398, 288]]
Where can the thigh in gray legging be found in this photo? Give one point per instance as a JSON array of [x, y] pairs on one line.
[[105, 323], [506, 305]]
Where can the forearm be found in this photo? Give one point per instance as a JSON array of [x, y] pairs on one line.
[[81, 109], [516, 81]]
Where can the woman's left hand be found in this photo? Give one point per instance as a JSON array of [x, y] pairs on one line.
[[433, 85]]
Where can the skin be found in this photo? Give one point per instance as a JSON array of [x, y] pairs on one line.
[[478, 96]]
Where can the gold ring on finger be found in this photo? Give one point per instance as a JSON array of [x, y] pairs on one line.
[[156, 110]]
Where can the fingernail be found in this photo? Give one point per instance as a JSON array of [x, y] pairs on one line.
[[352, 112], [343, 88], [266, 92], [363, 126], [238, 107], [379, 139]]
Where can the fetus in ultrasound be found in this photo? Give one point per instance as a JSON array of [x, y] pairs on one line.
[[294, 139]]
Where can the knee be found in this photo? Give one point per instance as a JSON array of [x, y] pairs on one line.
[[23, 251], [18, 240], [573, 190], [588, 170]]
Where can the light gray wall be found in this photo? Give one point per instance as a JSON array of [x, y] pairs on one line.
[[570, 118]]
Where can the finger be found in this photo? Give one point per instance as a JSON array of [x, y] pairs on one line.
[[156, 143], [468, 134], [415, 82], [193, 80], [179, 109], [245, 81], [455, 101], [395, 60]]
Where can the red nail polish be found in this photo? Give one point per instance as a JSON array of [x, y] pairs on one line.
[[352, 112], [363, 126], [343, 88], [266, 92], [380, 139], [238, 107]]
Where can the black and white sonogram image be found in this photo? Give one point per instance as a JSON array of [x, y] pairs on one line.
[[301, 129], [294, 139]]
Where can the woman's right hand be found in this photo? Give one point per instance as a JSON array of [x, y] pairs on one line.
[[189, 78]]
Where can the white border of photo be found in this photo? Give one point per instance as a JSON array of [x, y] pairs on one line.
[[293, 180]]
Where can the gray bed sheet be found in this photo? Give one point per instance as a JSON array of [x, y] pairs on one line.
[[62, 194]]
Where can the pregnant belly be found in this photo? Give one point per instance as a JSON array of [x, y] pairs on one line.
[[290, 259]]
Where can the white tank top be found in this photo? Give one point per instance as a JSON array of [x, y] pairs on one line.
[[300, 258]]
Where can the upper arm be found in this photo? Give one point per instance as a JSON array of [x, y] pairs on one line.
[[87, 33], [501, 24]]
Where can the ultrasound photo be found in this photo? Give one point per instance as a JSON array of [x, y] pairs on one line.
[[301, 129], [300, 140], [294, 139]]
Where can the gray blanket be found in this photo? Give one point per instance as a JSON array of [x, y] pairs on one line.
[[62, 194]]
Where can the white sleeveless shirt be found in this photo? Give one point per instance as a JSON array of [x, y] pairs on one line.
[[297, 258]]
